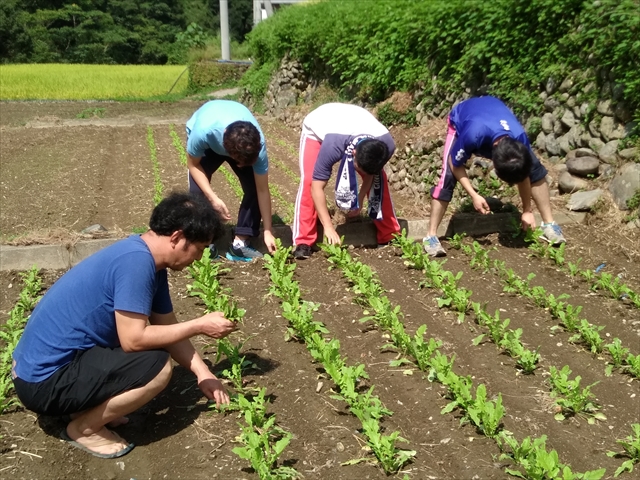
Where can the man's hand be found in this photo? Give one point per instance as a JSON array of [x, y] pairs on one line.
[[354, 213], [221, 208], [214, 325], [481, 205], [528, 221], [269, 241], [213, 390], [332, 236]]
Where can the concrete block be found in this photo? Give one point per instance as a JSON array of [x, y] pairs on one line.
[[53, 257], [82, 250]]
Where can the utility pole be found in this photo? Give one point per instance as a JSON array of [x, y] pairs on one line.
[[224, 29]]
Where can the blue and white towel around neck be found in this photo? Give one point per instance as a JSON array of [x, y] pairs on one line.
[[346, 191]]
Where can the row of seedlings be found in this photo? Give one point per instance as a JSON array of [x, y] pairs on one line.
[[570, 399], [597, 280], [621, 359], [486, 415], [177, 144], [367, 407], [567, 314], [12, 330], [157, 181], [458, 299], [263, 441]]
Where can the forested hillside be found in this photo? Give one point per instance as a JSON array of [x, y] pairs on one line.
[[112, 31]]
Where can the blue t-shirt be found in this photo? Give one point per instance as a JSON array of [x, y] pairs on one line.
[[479, 122], [78, 311], [206, 127]]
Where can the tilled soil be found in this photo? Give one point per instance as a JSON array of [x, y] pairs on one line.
[[102, 174]]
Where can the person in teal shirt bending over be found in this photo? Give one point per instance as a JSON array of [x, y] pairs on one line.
[[226, 131]]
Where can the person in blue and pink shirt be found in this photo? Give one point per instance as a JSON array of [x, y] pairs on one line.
[[351, 136], [486, 127]]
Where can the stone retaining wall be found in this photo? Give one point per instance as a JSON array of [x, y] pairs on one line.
[[584, 154]]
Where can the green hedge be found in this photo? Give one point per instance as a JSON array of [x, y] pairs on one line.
[[210, 74], [370, 48]]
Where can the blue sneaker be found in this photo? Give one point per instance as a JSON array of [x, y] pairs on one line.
[[433, 247], [245, 253], [552, 233]]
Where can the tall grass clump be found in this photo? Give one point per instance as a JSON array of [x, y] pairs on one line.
[[509, 48]]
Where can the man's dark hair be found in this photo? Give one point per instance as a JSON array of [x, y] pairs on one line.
[[511, 160], [241, 140], [190, 212], [372, 155]]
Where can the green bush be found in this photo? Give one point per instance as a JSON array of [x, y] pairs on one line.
[[213, 74], [509, 48]]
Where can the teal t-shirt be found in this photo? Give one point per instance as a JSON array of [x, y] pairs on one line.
[[206, 127]]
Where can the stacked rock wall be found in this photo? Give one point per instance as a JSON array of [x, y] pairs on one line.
[[561, 133]]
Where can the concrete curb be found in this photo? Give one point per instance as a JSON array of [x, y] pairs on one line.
[[358, 233]]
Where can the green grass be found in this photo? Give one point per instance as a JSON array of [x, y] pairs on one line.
[[89, 82]]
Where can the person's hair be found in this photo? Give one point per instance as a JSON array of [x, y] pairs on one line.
[[511, 160], [191, 213], [241, 140], [371, 155]]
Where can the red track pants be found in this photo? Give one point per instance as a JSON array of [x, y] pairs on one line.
[[305, 230]]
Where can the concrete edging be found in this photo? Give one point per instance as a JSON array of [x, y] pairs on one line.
[[361, 233]]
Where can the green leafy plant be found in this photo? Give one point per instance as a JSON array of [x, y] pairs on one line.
[[11, 331], [570, 398], [631, 446], [536, 462]]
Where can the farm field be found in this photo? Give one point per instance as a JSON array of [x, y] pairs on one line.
[[102, 173], [67, 81]]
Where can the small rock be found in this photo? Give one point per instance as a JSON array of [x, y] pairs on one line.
[[608, 152], [547, 122], [604, 107], [583, 166], [596, 144], [584, 152], [569, 184], [584, 201], [628, 153], [625, 184], [568, 119], [95, 228], [340, 447], [319, 387], [553, 147], [605, 171], [550, 104]]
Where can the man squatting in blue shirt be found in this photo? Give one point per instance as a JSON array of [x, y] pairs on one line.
[[485, 126], [226, 131], [99, 344]]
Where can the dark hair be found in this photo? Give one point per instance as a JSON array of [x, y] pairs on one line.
[[191, 213], [372, 155], [511, 160], [241, 140]]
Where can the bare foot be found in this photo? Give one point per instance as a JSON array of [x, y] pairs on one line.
[[104, 441], [113, 423], [118, 422]]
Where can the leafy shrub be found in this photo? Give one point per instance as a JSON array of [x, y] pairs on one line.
[[508, 48]]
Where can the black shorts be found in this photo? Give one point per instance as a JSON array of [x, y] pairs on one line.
[[92, 377]]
